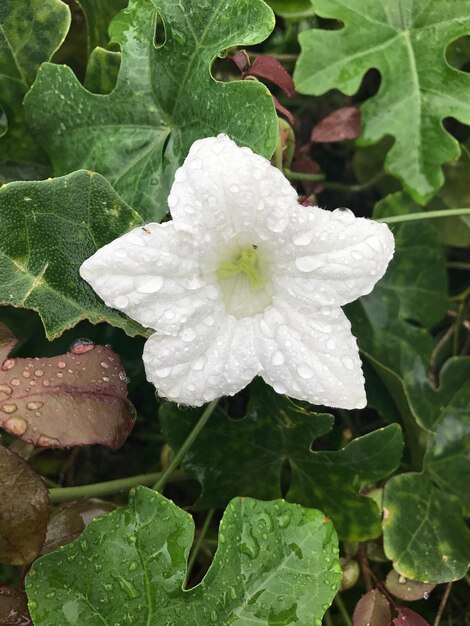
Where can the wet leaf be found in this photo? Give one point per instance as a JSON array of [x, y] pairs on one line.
[[293, 9], [418, 88], [68, 521], [342, 124], [407, 617], [24, 511], [102, 71], [165, 98], [98, 15], [47, 230], [77, 398], [405, 589], [275, 563], [13, 607], [30, 32], [245, 457], [373, 609]]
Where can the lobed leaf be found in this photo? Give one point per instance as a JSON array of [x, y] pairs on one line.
[[73, 399], [47, 230], [30, 32], [165, 98], [25, 510], [275, 563], [245, 457], [406, 42]]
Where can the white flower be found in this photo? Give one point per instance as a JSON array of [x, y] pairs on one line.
[[244, 281]]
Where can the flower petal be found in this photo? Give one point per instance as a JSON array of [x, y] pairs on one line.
[[311, 355], [331, 258], [204, 361], [152, 274], [224, 190]]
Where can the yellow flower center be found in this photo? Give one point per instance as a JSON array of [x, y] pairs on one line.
[[246, 263]]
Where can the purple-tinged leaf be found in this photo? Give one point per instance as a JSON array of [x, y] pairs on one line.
[[78, 398], [24, 510], [342, 124], [266, 67], [407, 617], [373, 609], [405, 589]]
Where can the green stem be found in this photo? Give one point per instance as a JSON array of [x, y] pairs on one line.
[[161, 482], [458, 265], [354, 188], [427, 215], [65, 494], [342, 609], [303, 176], [327, 619], [197, 547]]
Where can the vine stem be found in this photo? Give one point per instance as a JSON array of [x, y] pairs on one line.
[[95, 490], [427, 215], [442, 605], [165, 476], [197, 547]]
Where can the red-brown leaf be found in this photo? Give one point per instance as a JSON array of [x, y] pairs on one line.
[[373, 609], [265, 66], [24, 510], [407, 617], [13, 607], [77, 398], [340, 125], [69, 520], [408, 590]]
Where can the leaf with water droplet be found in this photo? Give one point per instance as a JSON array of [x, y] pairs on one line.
[[24, 510], [245, 457], [47, 229], [65, 400], [30, 33], [240, 586], [406, 45], [165, 98]]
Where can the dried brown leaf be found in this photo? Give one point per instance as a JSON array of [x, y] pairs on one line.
[[24, 510]]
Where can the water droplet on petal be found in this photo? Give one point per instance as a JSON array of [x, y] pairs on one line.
[[61, 364], [347, 362], [8, 364], [344, 215], [150, 285], [305, 371], [6, 389], [39, 373], [303, 238], [121, 302], [163, 372], [277, 358]]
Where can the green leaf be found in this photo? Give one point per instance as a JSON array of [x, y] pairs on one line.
[[98, 14], [276, 563], [30, 32], [102, 71], [425, 534], [245, 457], [47, 229], [165, 98], [406, 42], [292, 9], [454, 194]]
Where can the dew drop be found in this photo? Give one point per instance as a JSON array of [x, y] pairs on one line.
[[6, 389], [61, 364], [188, 335], [104, 364], [277, 358], [16, 426], [34, 406], [330, 344], [106, 379], [9, 408], [305, 371], [45, 441], [163, 372], [26, 374], [344, 215], [39, 373], [347, 362], [8, 364], [198, 364], [309, 263], [150, 285], [303, 238], [121, 302], [81, 346], [15, 382]]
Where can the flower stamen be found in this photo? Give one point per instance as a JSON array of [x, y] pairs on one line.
[[247, 263]]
